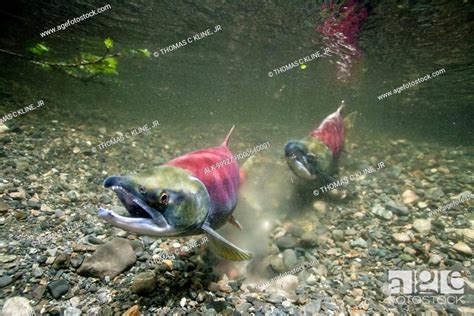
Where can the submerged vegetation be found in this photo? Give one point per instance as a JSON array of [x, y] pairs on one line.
[[85, 66]]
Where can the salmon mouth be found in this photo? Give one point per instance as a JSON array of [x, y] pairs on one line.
[[126, 191], [135, 206], [298, 160]]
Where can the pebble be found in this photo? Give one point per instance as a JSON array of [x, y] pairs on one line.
[[276, 262], [72, 196], [19, 195], [311, 280], [105, 199], [296, 230], [309, 239], [275, 298], [286, 242], [409, 251], [22, 165], [406, 257], [132, 311], [320, 206], [434, 193], [144, 283], [396, 208], [350, 232], [409, 197], [33, 203], [72, 311], [359, 242], [338, 235], [381, 212], [313, 307], [17, 306], [243, 307], [37, 272], [7, 258], [401, 237], [288, 283], [5, 280], [423, 226], [21, 215], [422, 204], [102, 130], [463, 248], [58, 288], [3, 128], [3, 206], [435, 259], [468, 235], [289, 258]]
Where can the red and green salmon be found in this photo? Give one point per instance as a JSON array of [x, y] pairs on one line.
[[315, 156], [180, 199]]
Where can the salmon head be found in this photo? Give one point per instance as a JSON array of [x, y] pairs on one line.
[[166, 201]]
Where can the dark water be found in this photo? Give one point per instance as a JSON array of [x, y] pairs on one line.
[[226, 74], [198, 91]]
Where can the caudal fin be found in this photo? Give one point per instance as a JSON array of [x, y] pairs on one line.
[[226, 140]]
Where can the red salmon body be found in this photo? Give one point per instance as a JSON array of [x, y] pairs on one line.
[[331, 132], [222, 183]]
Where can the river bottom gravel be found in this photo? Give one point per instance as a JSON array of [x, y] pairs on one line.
[[58, 256]]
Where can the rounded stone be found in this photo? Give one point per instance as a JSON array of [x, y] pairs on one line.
[[144, 283]]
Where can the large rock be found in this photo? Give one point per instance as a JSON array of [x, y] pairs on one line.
[[109, 259]]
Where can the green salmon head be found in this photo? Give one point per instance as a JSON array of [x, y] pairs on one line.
[[166, 201], [310, 159]]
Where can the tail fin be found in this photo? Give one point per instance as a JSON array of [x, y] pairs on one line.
[[226, 140]]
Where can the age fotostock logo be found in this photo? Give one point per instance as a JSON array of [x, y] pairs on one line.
[[414, 287]]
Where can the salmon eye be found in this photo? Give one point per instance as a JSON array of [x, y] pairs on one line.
[[164, 198], [142, 190]]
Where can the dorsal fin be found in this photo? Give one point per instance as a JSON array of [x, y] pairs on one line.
[[341, 107], [226, 140]]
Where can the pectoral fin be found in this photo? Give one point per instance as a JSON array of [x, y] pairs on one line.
[[235, 222], [349, 120], [225, 248]]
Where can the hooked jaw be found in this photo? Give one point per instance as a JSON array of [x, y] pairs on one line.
[[144, 219], [142, 226]]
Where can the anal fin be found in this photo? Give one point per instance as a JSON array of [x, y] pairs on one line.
[[225, 248]]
